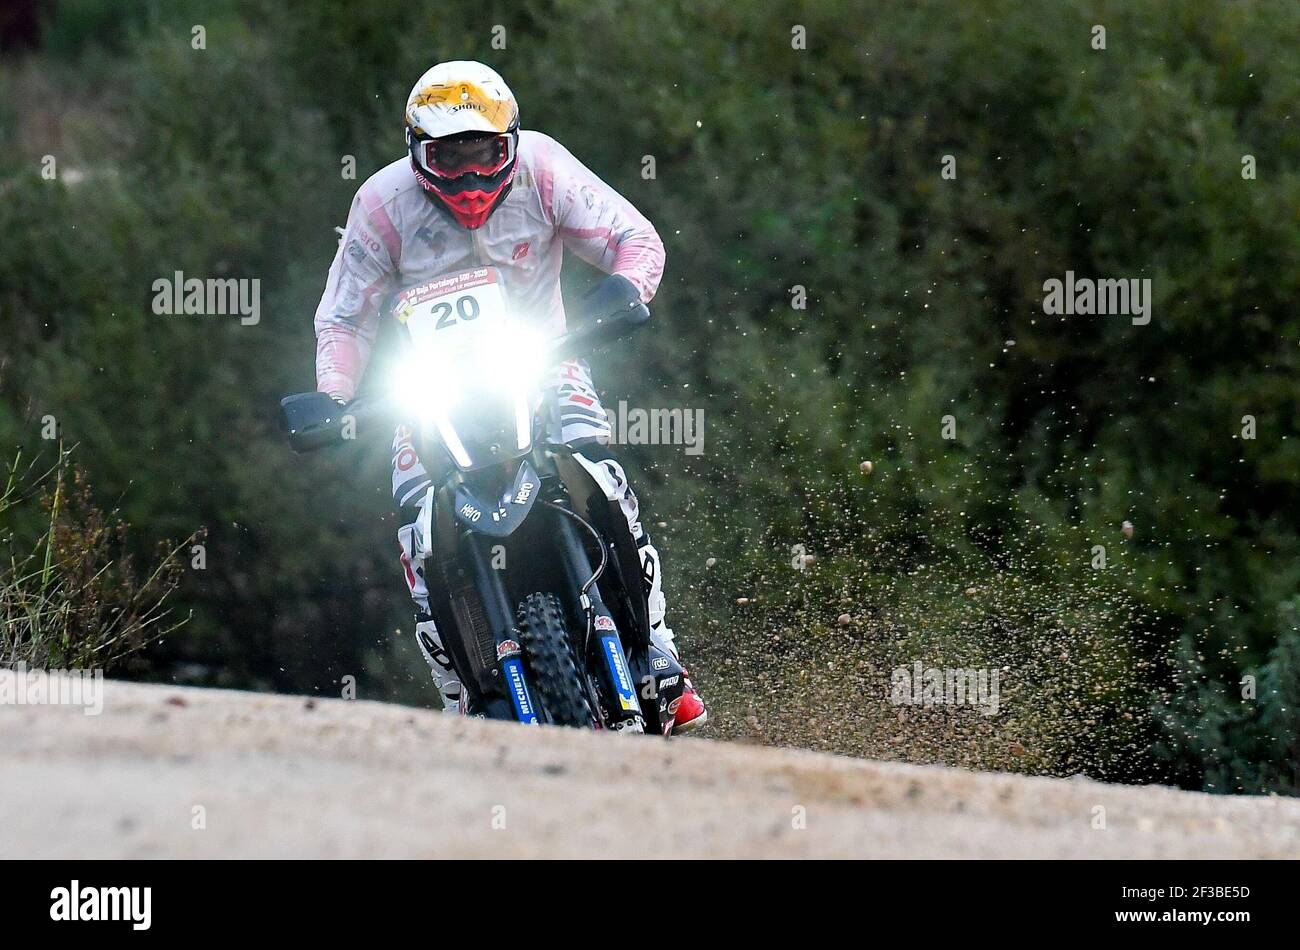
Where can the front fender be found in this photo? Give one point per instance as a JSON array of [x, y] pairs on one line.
[[498, 518]]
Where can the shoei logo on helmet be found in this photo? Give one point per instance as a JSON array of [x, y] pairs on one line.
[[466, 102], [461, 97]]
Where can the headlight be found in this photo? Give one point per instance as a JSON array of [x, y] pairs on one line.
[[418, 389], [521, 361], [513, 361]]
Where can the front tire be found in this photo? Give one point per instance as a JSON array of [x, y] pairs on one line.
[[545, 641]]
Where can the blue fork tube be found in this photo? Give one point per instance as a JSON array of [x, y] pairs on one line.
[[619, 674], [512, 668]]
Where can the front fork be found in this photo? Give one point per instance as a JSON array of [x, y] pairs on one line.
[[501, 621], [623, 711]]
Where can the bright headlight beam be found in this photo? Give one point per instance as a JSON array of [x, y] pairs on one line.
[[428, 381]]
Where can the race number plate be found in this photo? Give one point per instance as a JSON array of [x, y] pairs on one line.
[[444, 308]]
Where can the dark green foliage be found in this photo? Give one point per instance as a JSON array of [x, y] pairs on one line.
[[774, 167]]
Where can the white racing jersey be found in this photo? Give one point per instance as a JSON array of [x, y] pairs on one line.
[[396, 236]]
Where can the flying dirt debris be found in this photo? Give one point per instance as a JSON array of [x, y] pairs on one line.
[[230, 774]]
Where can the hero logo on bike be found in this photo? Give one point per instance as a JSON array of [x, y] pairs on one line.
[[524, 493], [469, 512]]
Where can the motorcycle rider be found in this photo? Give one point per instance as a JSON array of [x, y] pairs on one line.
[[476, 190]]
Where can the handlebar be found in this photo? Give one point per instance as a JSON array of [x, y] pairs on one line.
[[598, 333], [314, 420]]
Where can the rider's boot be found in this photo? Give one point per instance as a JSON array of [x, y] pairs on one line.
[[691, 712], [444, 677]]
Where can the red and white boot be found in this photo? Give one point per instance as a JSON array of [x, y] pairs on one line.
[[690, 713], [687, 710]]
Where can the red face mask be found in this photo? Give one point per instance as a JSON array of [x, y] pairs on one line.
[[470, 208]]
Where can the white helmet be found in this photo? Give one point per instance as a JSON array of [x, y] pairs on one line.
[[462, 130]]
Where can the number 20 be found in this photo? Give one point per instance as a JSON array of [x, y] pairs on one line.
[[467, 307]]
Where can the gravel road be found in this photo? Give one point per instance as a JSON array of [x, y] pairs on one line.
[[171, 772]]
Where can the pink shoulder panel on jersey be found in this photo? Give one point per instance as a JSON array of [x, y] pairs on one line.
[[595, 221]]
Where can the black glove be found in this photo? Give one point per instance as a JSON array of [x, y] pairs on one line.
[[615, 294]]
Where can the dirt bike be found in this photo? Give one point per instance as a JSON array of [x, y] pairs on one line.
[[535, 580]]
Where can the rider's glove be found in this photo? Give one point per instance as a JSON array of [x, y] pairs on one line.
[[612, 295]]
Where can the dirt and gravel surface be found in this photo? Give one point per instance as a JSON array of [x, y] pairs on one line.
[[169, 772]]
